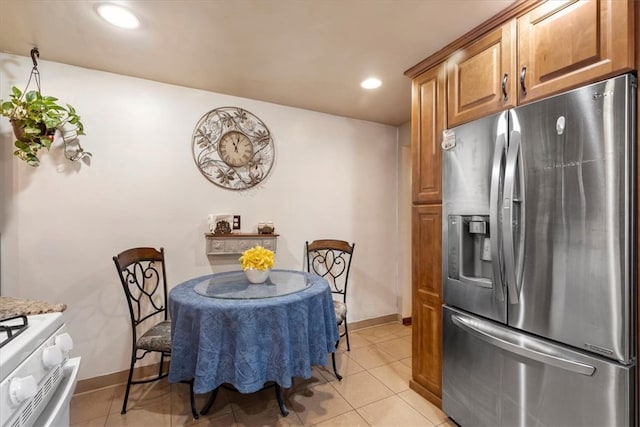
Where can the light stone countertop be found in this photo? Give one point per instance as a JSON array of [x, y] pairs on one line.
[[10, 307]]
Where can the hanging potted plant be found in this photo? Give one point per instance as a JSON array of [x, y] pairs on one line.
[[34, 119]]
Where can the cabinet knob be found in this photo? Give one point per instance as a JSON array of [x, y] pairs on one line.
[[505, 97], [523, 74]]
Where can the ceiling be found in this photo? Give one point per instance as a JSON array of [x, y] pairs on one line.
[[308, 54]]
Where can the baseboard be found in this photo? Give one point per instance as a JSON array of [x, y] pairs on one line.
[[116, 378], [361, 324], [406, 321], [427, 394]]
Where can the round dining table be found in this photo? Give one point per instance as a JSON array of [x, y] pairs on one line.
[[225, 330]]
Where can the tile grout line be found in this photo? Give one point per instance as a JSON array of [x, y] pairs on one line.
[[373, 343]]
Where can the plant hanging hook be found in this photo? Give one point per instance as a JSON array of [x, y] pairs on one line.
[[34, 71], [35, 52]]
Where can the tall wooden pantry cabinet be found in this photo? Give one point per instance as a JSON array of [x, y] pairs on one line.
[[427, 123]]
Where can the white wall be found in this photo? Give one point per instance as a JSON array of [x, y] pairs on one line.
[[61, 223], [404, 220]]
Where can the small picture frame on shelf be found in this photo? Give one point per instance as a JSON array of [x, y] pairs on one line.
[[220, 224], [266, 228]]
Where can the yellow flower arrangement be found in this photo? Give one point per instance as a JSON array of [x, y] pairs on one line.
[[257, 257]]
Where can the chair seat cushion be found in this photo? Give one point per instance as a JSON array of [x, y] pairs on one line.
[[158, 338], [341, 311]]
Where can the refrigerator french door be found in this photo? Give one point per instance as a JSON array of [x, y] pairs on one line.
[[539, 272]]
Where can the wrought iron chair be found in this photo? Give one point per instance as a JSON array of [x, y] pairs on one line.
[[331, 259], [144, 280]]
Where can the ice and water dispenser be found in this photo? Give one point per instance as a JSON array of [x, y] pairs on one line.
[[469, 258]]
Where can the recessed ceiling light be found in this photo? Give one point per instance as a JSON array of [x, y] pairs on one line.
[[118, 16], [371, 83]]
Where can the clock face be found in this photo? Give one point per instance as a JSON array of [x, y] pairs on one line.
[[233, 148]]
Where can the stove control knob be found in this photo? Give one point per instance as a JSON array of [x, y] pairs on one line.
[[21, 389], [64, 342], [51, 357]]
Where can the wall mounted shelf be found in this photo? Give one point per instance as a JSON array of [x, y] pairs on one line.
[[236, 243]]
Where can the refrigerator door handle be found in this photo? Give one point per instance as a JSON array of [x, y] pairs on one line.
[[508, 219], [495, 198], [516, 344]]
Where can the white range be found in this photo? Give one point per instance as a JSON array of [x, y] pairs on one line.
[[37, 377]]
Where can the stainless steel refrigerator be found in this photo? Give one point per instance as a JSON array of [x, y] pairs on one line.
[[539, 271]]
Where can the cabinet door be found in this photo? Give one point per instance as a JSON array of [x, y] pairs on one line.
[[637, 41], [564, 44], [481, 77], [426, 260], [427, 124]]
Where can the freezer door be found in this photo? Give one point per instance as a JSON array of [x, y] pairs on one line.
[[494, 376], [575, 281], [472, 172]]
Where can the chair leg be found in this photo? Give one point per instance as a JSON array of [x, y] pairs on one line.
[[335, 369], [209, 403], [126, 392], [161, 364], [346, 333], [192, 398], [283, 409]]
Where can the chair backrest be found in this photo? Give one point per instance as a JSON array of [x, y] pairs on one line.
[[144, 280], [331, 259]]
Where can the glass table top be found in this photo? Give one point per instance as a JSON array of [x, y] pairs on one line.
[[236, 286]]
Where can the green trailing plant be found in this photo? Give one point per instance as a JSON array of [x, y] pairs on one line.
[[35, 118]]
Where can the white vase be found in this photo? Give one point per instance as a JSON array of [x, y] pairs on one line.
[[256, 276]]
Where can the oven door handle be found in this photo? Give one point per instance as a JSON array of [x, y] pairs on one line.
[[57, 410]]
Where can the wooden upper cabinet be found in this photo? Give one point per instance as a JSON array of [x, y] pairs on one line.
[[565, 44], [481, 78], [427, 124]]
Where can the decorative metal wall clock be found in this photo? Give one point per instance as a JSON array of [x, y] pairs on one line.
[[233, 148]]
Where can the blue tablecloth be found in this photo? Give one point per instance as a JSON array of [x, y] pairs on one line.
[[247, 343]]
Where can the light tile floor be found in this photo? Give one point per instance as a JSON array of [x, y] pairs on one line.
[[374, 391]]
